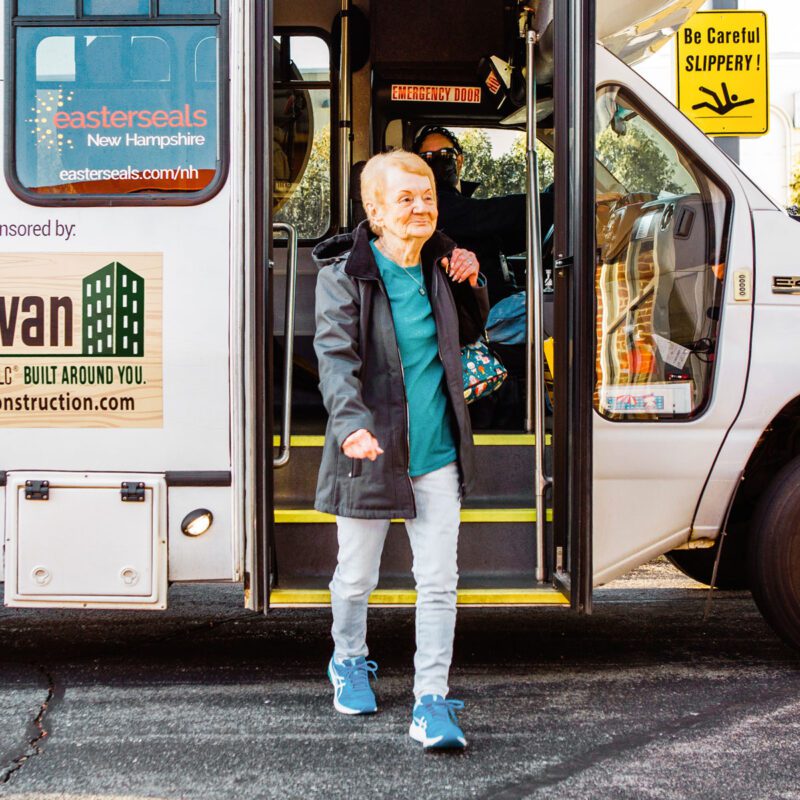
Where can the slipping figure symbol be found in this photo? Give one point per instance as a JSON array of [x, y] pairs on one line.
[[731, 101]]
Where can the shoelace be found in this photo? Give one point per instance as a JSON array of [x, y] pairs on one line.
[[358, 674], [439, 709]]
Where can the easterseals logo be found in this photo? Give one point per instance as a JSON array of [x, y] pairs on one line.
[[104, 117], [112, 303]]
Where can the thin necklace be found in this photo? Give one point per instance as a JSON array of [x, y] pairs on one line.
[[404, 270]]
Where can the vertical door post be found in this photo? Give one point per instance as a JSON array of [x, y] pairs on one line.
[[261, 133], [574, 251]]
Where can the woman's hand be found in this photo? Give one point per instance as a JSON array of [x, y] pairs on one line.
[[463, 266], [361, 444]]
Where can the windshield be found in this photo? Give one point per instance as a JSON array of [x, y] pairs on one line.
[[638, 157]]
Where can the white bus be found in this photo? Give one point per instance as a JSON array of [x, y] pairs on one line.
[[170, 165]]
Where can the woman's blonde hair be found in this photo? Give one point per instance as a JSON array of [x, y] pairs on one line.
[[373, 178]]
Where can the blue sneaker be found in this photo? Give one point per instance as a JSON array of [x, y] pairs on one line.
[[352, 693], [434, 723]]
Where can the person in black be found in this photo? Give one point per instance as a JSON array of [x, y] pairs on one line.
[[491, 227]]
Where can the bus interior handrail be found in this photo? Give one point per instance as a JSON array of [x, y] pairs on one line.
[[284, 444], [534, 361]]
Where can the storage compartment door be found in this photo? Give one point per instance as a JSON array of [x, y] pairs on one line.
[[81, 539]]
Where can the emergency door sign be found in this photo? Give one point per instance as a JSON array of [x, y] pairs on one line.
[[723, 83]]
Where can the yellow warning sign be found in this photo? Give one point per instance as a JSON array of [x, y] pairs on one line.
[[723, 80]]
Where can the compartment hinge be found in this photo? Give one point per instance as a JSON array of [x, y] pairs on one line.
[[37, 490], [132, 492]]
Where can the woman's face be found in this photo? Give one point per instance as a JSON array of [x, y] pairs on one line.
[[409, 208]]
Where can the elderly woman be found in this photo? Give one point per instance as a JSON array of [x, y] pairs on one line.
[[395, 301]]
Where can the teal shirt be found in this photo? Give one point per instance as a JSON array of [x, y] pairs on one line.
[[429, 429]]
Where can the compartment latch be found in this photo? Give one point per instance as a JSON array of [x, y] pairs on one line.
[[37, 490], [132, 492]]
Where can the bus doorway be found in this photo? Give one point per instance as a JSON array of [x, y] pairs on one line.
[[348, 82]]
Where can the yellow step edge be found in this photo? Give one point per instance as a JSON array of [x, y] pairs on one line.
[[301, 441], [408, 597], [304, 516], [495, 439], [480, 439]]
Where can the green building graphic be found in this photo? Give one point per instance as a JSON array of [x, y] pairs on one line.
[[113, 312]]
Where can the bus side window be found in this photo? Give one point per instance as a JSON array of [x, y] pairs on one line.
[[662, 244], [205, 61], [116, 7], [41, 8], [186, 6], [106, 113], [150, 59], [301, 133], [102, 60]]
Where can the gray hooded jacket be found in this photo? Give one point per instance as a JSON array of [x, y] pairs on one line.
[[361, 375]]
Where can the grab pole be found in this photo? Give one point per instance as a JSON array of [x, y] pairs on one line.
[[534, 344], [345, 120]]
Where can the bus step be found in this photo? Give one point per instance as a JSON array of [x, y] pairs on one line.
[[505, 464], [542, 595], [298, 516], [494, 544]]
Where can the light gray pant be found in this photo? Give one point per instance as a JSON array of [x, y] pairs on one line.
[[434, 543]]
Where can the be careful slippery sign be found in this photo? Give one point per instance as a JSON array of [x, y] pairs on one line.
[[723, 81]]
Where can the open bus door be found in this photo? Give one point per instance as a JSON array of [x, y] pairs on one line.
[[293, 546], [574, 57], [269, 452], [258, 393], [259, 561]]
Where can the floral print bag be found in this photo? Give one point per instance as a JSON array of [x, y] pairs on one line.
[[483, 372]]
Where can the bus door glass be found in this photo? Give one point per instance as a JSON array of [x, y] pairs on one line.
[[668, 228], [494, 167], [302, 197], [298, 201]]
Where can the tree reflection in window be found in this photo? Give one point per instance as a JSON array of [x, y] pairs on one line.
[[301, 141], [662, 225]]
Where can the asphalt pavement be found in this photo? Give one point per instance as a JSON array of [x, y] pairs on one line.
[[643, 699]]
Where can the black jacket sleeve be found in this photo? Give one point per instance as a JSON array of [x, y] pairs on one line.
[[472, 304], [502, 219], [336, 343]]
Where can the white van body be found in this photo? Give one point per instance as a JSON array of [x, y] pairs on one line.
[[657, 485]]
